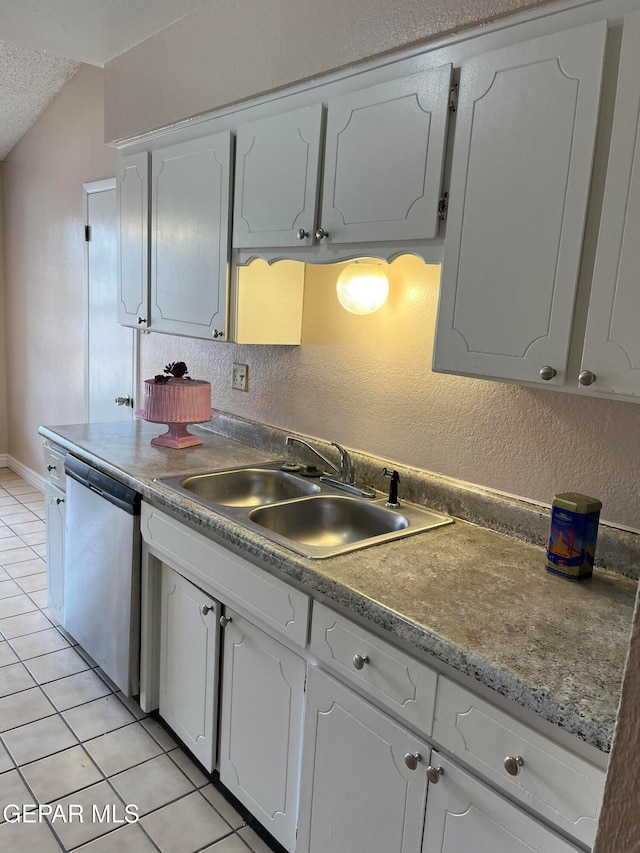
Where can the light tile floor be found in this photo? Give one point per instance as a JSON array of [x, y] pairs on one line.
[[69, 740]]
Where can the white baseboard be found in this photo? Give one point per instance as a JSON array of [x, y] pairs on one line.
[[3, 460], [27, 474]]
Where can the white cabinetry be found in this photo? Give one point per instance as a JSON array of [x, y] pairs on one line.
[[358, 792], [261, 724], [188, 664], [465, 816], [520, 177], [612, 344], [383, 159], [132, 195], [54, 501]]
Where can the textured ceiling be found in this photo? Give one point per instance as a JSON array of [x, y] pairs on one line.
[[42, 44]]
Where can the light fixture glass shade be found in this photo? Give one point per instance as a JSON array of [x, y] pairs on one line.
[[362, 288]]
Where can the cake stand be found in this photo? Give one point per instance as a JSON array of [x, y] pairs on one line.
[[177, 434]]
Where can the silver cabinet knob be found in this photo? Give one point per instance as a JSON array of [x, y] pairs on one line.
[[51, 467], [513, 763], [434, 773], [224, 621], [586, 377], [547, 373], [59, 501], [321, 234], [302, 234], [206, 608], [142, 321], [412, 759], [360, 660], [124, 401], [217, 333]]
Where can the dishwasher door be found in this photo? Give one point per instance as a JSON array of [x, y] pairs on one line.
[[102, 572]]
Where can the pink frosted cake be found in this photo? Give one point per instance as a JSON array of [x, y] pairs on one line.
[[181, 401], [176, 402]]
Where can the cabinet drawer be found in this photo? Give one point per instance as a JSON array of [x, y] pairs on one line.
[[227, 576], [559, 785], [390, 677], [54, 466]]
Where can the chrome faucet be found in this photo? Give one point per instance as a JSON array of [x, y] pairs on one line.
[[346, 480]]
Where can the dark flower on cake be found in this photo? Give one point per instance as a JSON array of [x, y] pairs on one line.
[[159, 379], [177, 369]]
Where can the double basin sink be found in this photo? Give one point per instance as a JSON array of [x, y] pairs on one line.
[[298, 512]]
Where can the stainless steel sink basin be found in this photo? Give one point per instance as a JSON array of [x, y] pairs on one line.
[[247, 487], [309, 517], [328, 521]]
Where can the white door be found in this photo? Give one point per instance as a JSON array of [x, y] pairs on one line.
[[520, 177], [109, 347], [189, 664], [612, 343], [261, 726], [465, 816], [359, 791]]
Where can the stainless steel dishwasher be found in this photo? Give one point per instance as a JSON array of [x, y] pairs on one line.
[[102, 571]]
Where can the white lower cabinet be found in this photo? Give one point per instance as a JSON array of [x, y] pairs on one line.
[[358, 792], [465, 816], [54, 499], [189, 631], [261, 725]]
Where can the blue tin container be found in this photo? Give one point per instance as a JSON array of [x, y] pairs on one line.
[[572, 536]]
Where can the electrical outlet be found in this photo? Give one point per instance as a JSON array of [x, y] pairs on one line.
[[240, 377]]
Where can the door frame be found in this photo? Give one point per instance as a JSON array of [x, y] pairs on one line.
[[88, 189]]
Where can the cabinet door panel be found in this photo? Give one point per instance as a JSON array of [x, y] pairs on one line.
[[277, 164], [189, 240], [357, 793], [612, 342], [132, 197], [520, 179], [55, 520], [384, 155], [260, 727], [188, 664], [464, 815]]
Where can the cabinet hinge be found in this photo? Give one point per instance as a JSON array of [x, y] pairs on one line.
[[443, 206], [87, 233], [453, 98]]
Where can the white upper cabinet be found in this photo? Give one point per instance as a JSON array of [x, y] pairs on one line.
[[611, 352], [190, 212], [383, 157], [277, 168], [520, 177], [132, 194]]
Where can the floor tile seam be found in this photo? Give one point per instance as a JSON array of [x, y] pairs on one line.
[[21, 689], [36, 556], [76, 846], [184, 796], [184, 773], [28, 633]]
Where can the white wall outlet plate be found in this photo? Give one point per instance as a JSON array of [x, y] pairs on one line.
[[240, 377]]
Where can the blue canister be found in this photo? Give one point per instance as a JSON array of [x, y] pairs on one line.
[[573, 534]]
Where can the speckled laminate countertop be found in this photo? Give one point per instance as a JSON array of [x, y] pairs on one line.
[[479, 601]]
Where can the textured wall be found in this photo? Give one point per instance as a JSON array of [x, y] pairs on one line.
[[239, 50], [366, 382], [4, 441], [44, 260]]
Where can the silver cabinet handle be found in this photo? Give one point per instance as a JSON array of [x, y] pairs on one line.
[[142, 321], [434, 773], [360, 660], [321, 234], [217, 333], [586, 377], [224, 621], [302, 234], [124, 401], [59, 501], [51, 467], [206, 608], [513, 763], [547, 373], [412, 759]]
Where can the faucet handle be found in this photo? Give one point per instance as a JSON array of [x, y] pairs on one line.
[[346, 466]]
